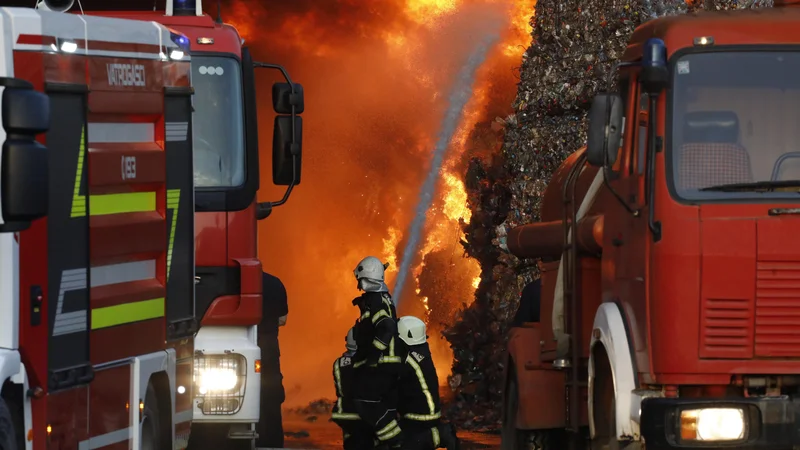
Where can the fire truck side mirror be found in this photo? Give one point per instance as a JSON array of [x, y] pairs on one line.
[[605, 130], [24, 170], [283, 99], [287, 152]]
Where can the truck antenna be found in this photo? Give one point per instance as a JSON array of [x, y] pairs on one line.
[[219, 11]]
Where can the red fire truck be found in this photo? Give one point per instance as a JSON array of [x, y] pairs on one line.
[[226, 175], [670, 262], [96, 254]]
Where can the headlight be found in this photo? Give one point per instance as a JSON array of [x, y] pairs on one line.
[[219, 382], [713, 424]]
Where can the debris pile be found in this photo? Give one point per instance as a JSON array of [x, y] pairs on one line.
[[575, 44]]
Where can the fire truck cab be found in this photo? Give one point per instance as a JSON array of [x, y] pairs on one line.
[[669, 252], [97, 240]]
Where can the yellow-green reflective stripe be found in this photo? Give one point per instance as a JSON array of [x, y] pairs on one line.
[[345, 416], [436, 440], [423, 417], [391, 347], [173, 200], [365, 315], [378, 344], [78, 200], [389, 359], [101, 205], [388, 429], [337, 375], [422, 383], [380, 314], [127, 312]]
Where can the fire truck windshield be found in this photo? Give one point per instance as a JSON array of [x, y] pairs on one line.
[[734, 122], [219, 158]]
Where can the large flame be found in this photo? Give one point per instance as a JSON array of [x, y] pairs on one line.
[[376, 76]]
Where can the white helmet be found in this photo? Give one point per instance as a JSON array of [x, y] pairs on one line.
[[412, 330], [350, 341], [369, 274]]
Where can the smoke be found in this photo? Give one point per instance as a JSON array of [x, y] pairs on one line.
[[459, 96], [376, 76]]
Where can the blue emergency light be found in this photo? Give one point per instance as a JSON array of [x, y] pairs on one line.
[[186, 5], [654, 54], [655, 75]]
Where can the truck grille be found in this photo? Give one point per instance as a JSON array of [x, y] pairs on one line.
[[777, 309], [727, 331]]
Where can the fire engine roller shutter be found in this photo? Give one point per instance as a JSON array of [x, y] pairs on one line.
[[180, 212], [68, 240]]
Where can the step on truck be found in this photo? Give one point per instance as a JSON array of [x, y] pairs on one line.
[[97, 234], [668, 251], [228, 301]]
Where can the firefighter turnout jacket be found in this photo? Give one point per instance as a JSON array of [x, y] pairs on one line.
[[376, 329], [419, 387]]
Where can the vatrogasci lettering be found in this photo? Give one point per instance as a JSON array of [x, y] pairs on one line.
[[126, 74]]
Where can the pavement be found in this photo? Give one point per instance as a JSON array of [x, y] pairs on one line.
[[320, 434]]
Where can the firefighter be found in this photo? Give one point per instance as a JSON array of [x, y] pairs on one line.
[[376, 363], [358, 435], [274, 312], [418, 403]]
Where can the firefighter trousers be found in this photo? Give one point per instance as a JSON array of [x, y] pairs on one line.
[[376, 401], [428, 435], [357, 435]]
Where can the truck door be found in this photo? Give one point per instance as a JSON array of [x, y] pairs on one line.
[[180, 213], [68, 239], [631, 231]]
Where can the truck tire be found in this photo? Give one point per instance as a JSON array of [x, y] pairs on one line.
[[151, 422], [8, 433], [605, 399]]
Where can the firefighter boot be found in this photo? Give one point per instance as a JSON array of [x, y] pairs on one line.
[[448, 438]]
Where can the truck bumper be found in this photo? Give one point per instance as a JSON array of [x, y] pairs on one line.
[[767, 423]]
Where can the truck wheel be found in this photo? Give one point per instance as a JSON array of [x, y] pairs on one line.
[[606, 430], [151, 423], [8, 435]]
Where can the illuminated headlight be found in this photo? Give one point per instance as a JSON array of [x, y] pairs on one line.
[[217, 380], [176, 54], [713, 424], [218, 374]]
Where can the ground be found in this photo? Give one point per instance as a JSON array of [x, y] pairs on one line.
[[323, 435]]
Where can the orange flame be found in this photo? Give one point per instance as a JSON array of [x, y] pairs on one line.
[[376, 75]]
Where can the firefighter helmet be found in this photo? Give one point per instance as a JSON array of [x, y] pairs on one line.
[[369, 274], [412, 330], [350, 341]]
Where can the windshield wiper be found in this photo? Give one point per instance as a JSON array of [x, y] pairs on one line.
[[755, 186]]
